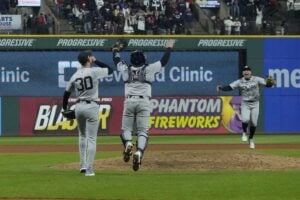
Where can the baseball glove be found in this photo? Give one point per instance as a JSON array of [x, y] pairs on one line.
[[69, 114], [119, 45], [270, 81]]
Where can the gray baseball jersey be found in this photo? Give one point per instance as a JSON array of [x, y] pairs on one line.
[[136, 87], [249, 88], [85, 83], [138, 91], [250, 97]]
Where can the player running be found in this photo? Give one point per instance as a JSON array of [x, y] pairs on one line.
[[137, 108], [249, 89], [85, 84]]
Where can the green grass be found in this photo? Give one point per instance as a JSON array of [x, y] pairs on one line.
[[34, 175], [170, 139]]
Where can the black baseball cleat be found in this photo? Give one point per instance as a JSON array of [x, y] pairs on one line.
[[82, 170], [127, 152], [136, 161]]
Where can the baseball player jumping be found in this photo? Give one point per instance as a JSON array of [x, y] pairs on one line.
[[249, 89], [137, 108], [85, 84]]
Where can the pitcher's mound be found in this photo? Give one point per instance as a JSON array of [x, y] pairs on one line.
[[199, 161]]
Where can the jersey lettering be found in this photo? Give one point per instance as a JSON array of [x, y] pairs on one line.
[[249, 86], [85, 83]]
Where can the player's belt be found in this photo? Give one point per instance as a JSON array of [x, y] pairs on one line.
[[137, 97], [85, 101]]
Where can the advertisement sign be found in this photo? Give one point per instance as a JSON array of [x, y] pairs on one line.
[[170, 115], [29, 2], [104, 43], [37, 73], [282, 60], [10, 22], [195, 115], [42, 116]]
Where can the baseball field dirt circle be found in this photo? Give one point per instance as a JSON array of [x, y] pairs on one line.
[[200, 158]]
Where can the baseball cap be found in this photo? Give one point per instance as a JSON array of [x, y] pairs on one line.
[[246, 68], [83, 56]]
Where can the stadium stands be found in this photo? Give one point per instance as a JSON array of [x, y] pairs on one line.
[[231, 17]]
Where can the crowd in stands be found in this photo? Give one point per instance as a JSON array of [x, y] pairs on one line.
[[38, 24], [254, 17], [33, 21], [128, 16], [155, 16]]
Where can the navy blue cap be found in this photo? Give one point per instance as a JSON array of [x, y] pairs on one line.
[[246, 68]]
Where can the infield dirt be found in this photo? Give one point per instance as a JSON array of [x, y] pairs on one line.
[[201, 158]]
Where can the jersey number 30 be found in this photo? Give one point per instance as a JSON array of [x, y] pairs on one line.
[[85, 83]]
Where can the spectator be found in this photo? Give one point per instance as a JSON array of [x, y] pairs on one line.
[[120, 23], [150, 24], [160, 24], [228, 23], [290, 5], [87, 19], [236, 26], [67, 9], [141, 25], [258, 21], [50, 23], [235, 9], [25, 18], [156, 5], [179, 29], [244, 26], [188, 19], [177, 18], [41, 23], [106, 13], [77, 14], [283, 28], [267, 27], [99, 4], [58, 7], [217, 24], [133, 21], [181, 6], [169, 25]]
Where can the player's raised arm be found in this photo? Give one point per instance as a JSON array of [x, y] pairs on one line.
[[116, 56], [165, 58], [117, 47], [103, 65]]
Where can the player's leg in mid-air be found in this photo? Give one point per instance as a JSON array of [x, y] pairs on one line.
[[142, 123], [127, 124], [245, 112], [253, 124]]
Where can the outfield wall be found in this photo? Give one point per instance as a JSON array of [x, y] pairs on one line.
[[35, 70]]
